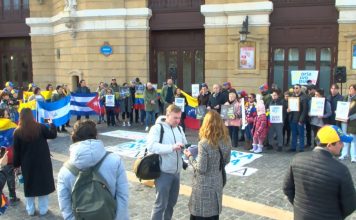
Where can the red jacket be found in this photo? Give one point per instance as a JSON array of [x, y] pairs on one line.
[[260, 127]]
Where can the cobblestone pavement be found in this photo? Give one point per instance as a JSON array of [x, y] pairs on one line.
[[263, 187]]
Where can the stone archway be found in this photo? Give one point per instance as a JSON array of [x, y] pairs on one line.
[[75, 75]]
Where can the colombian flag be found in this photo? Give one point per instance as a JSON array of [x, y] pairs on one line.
[[31, 105], [46, 94], [190, 120], [7, 128]]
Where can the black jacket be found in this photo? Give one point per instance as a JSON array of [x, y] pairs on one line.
[[319, 187], [35, 161], [300, 116], [215, 100], [83, 89], [333, 101]]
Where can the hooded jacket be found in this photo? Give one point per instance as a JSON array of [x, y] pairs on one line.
[[86, 154], [170, 161]]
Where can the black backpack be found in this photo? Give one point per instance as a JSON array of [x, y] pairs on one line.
[[147, 167]]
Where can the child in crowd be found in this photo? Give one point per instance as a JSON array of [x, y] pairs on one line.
[[234, 124], [260, 128]]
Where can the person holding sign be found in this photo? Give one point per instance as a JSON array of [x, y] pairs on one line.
[[319, 121], [109, 101], [150, 97], [178, 94], [216, 99], [251, 114], [297, 119], [349, 127], [277, 113], [234, 123], [260, 128], [333, 98]]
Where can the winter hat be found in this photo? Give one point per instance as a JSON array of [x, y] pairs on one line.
[[263, 87], [9, 84], [260, 107]]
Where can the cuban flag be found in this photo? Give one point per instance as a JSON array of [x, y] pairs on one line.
[[79, 101], [58, 111]]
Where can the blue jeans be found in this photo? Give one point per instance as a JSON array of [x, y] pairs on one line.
[[42, 205], [297, 129], [150, 118], [348, 146]]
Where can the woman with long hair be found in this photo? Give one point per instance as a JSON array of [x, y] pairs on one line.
[[214, 150], [31, 153]]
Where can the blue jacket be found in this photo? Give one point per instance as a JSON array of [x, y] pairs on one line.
[[86, 154]]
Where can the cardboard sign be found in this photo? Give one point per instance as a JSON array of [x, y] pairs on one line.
[[317, 106], [303, 76], [243, 113], [200, 111], [293, 104], [110, 100], [180, 102], [342, 111], [227, 112], [195, 90], [276, 114]]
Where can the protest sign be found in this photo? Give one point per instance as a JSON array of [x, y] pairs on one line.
[[180, 102], [293, 104], [301, 77], [200, 111], [342, 111], [110, 100], [276, 114], [195, 90], [227, 112], [317, 106], [243, 113]]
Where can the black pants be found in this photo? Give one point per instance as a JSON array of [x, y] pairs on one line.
[[215, 217], [8, 170], [79, 117], [136, 115], [110, 116], [308, 131], [315, 131], [286, 129]]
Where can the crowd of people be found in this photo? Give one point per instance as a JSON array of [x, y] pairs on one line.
[[29, 153]]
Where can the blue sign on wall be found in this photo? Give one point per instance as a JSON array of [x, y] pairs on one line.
[[106, 49]]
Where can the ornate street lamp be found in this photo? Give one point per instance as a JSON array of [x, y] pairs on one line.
[[244, 30]]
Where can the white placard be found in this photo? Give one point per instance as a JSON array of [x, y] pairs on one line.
[[317, 106], [110, 100], [180, 102], [243, 113], [293, 104], [342, 111], [154, 86], [195, 90], [302, 76], [276, 114]]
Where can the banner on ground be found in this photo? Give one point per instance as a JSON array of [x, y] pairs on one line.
[[303, 76], [58, 111], [238, 160]]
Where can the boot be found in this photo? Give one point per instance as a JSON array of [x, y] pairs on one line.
[[248, 145], [259, 149], [254, 147]]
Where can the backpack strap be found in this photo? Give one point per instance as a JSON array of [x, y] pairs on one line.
[[180, 131], [97, 166], [161, 134], [71, 168]]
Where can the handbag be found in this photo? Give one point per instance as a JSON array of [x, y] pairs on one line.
[[222, 167]]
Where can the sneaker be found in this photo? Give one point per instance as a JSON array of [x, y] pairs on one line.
[[146, 129], [259, 150], [254, 148], [123, 124], [353, 160], [128, 124], [14, 200]]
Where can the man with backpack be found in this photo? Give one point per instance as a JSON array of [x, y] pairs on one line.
[[170, 152], [92, 184]]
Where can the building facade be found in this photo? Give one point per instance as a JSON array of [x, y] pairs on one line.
[[192, 41]]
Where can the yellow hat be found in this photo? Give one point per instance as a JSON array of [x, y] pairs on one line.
[[331, 134]]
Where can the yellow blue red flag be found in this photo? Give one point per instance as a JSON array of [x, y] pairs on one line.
[[7, 128]]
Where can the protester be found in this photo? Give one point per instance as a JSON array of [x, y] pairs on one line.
[[350, 126], [31, 153], [266, 96], [133, 109], [286, 124], [126, 105], [260, 128], [204, 95], [85, 152], [109, 109], [227, 88], [216, 99], [178, 94], [234, 123], [276, 129], [319, 121], [101, 92], [82, 89], [214, 150], [333, 98], [318, 186], [116, 91], [297, 119], [170, 151], [167, 93], [57, 95], [150, 97], [3, 200], [49, 87], [250, 114], [36, 95]]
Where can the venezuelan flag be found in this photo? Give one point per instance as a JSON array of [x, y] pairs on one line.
[[190, 119], [139, 102], [31, 105], [26, 95], [7, 128]]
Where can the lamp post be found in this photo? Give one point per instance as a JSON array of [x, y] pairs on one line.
[[244, 30]]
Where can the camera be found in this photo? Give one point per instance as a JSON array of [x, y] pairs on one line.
[[186, 146]]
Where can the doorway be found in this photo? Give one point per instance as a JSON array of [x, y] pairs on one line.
[[178, 55]]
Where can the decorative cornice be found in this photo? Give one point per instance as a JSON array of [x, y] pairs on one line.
[[228, 15], [347, 11], [91, 20]]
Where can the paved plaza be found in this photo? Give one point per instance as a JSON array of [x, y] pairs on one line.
[[258, 196]]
